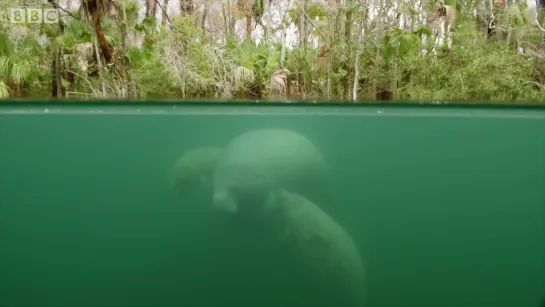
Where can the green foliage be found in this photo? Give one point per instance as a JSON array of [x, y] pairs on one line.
[[146, 25], [186, 61], [111, 30], [294, 14], [459, 6], [191, 60], [75, 32], [460, 74], [258, 8], [314, 10], [18, 60], [262, 59], [4, 90], [5, 44], [396, 44], [149, 72], [131, 11]]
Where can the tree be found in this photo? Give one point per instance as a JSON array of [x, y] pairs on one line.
[[94, 10]]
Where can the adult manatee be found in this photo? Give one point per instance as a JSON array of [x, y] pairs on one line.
[[327, 257], [269, 156], [301, 257]]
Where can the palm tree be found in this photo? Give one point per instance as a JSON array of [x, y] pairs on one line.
[[17, 68], [92, 10]]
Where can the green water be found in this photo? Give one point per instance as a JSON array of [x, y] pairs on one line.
[[447, 205]]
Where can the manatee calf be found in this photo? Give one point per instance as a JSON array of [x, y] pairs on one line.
[[206, 238], [302, 257], [190, 183], [194, 169]]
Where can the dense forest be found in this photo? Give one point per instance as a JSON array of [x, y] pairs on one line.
[[480, 50]]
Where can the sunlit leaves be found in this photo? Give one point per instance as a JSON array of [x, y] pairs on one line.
[[459, 74], [262, 59], [17, 62], [14, 69], [75, 32], [4, 90], [397, 43]]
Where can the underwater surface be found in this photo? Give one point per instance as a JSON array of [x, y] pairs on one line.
[[445, 205]]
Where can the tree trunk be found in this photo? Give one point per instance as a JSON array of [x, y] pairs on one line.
[[232, 18], [248, 26], [348, 22], [151, 8], [483, 15], [303, 24], [122, 22], [204, 15], [56, 70], [540, 6], [100, 70], [130, 84], [347, 38], [357, 61], [245, 7], [58, 79], [378, 56], [102, 39], [165, 17]]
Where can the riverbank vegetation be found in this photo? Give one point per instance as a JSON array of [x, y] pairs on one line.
[[477, 50]]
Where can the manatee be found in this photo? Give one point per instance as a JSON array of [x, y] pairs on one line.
[[301, 252], [190, 180], [269, 156], [327, 255], [194, 166], [191, 175]]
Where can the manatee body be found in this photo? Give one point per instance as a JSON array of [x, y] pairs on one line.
[[328, 258], [298, 254], [265, 157]]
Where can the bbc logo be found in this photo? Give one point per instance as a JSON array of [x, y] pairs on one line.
[[29, 15]]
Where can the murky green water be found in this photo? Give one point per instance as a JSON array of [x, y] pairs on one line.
[[447, 206]]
